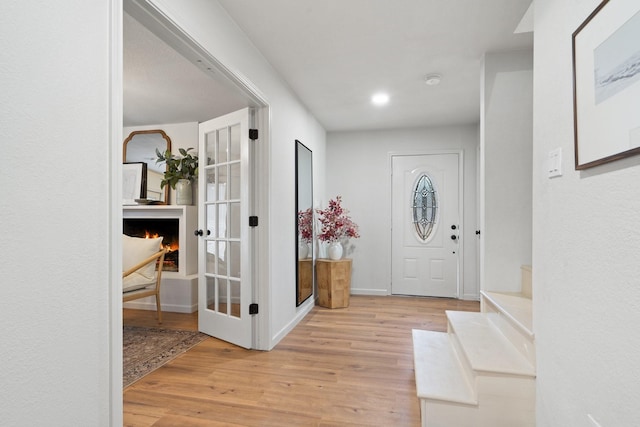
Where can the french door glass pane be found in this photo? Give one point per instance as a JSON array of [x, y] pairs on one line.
[[223, 293], [234, 181], [234, 220], [212, 227], [222, 183], [223, 149], [234, 149], [210, 143], [222, 220], [211, 184], [234, 288], [234, 259], [223, 259], [211, 293]]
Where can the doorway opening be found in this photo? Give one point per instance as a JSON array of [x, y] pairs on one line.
[[184, 46]]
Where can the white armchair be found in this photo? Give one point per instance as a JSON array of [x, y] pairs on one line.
[[140, 279]]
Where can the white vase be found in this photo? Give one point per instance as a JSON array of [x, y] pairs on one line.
[[321, 249], [335, 251], [303, 250], [184, 194]]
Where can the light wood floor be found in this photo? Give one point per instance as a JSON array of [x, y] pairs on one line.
[[341, 367]]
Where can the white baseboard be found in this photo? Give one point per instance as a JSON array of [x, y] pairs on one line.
[[173, 308], [304, 310], [377, 292]]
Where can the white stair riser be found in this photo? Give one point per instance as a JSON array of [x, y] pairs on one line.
[[464, 362], [506, 388], [504, 402], [442, 414], [520, 341]]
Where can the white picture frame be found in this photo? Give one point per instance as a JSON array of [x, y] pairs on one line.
[[133, 182]]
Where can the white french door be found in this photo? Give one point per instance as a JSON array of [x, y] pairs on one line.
[[425, 240], [224, 247]]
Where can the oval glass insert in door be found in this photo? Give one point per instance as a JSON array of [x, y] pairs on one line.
[[425, 207]]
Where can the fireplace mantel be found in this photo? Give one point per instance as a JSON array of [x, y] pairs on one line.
[[188, 222]]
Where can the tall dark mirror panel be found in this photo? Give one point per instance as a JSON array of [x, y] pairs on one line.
[[304, 223]]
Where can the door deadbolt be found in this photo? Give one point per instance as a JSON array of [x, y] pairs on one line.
[[454, 237]]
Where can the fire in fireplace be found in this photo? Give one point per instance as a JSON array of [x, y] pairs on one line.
[[168, 228]]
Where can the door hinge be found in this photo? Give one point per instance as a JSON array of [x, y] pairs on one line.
[[253, 134], [253, 221], [253, 308]]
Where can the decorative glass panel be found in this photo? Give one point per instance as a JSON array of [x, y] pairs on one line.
[[425, 207]]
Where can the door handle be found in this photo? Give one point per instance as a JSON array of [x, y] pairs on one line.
[[454, 237], [198, 233]]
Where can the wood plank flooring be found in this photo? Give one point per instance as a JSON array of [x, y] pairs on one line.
[[343, 367]]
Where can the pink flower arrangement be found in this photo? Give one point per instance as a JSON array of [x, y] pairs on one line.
[[305, 225], [336, 223]]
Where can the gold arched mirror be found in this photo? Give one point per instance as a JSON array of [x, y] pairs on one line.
[[140, 147]]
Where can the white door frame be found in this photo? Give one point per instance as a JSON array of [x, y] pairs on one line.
[[462, 225], [172, 34], [115, 213]]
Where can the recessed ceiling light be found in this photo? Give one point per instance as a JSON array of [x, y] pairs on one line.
[[432, 79], [380, 99]]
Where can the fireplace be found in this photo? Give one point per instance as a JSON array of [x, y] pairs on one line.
[[168, 228], [175, 223]]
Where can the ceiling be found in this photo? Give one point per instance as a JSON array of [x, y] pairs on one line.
[[162, 86], [335, 54]]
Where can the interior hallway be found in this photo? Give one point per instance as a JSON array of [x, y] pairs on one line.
[[344, 367]]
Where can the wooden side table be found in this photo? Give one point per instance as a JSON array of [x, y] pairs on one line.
[[334, 282], [305, 279]]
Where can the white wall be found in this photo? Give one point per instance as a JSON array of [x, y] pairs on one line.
[[207, 22], [586, 247], [359, 170], [55, 215], [506, 150]]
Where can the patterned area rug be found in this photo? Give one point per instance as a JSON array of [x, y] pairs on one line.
[[146, 349]]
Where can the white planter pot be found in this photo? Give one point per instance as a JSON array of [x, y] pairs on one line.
[[184, 193], [335, 251], [303, 250]]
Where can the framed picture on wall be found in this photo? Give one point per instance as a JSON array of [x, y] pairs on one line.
[[606, 84], [134, 182]]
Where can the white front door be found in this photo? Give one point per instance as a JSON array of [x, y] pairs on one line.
[[224, 247], [425, 237]]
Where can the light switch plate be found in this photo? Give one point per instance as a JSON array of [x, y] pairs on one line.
[[554, 163]]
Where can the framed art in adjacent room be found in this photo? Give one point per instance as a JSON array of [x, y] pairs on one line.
[[134, 182], [606, 84]]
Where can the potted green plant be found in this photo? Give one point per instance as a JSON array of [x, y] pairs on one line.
[[180, 173]]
